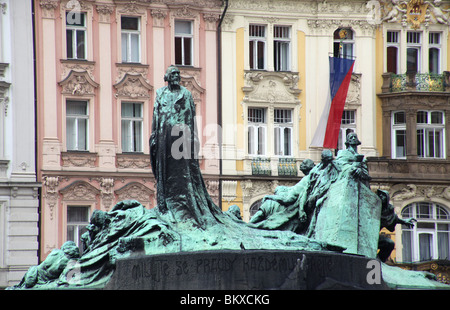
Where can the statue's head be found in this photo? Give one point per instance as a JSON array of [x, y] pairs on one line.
[[98, 218], [70, 249], [306, 166], [172, 75], [352, 139], [384, 196], [327, 156]]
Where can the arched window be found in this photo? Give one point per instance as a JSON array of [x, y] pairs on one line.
[[343, 43], [255, 207], [430, 237]]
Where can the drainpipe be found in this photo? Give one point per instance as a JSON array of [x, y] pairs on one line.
[[219, 95]]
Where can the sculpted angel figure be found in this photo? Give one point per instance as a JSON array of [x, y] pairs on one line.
[[394, 13]]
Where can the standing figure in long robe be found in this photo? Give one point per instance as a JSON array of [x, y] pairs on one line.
[[181, 192]]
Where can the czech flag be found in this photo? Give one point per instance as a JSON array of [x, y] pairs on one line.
[[327, 132]]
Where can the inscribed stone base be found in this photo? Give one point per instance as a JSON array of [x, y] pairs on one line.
[[245, 270]]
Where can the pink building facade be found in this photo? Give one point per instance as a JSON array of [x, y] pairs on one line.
[[99, 64]]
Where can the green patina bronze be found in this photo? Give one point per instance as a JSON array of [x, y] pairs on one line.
[[330, 209]]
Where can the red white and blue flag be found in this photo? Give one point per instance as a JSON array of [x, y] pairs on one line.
[[327, 132]]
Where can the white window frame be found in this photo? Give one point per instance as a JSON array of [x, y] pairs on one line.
[[345, 42], [346, 127], [394, 43], [78, 225], [429, 127], [279, 43], [76, 118], [255, 40], [131, 121], [395, 127], [279, 132], [415, 44], [184, 36], [129, 48], [435, 45], [432, 225], [75, 29], [257, 146]]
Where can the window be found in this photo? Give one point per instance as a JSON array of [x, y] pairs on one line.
[[76, 35], [283, 132], [257, 46], [399, 134], [257, 131], [430, 237], [281, 46], [343, 43], [131, 39], [255, 207], [413, 51], [132, 129], [183, 43], [392, 51], [77, 120], [430, 134], [77, 220], [434, 53], [348, 125]]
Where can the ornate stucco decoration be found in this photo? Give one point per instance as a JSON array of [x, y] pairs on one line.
[[340, 8], [327, 26], [104, 12], [78, 83], [133, 86], [190, 79], [79, 191], [50, 186], [132, 69], [68, 65], [48, 8], [415, 12], [158, 15], [136, 191], [271, 87], [354, 91], [4, 99], [131, 8], [408, 192], [76, 6], [211, 20], [75, 159], [132, 161], [107, 194]]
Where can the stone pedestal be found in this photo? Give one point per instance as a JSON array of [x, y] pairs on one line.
[[246, 270]]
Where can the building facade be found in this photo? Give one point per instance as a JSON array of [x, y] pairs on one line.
[[99, 64], [275, 73], [19, 202]]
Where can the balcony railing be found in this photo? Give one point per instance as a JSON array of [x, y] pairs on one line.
[[424, 82], [287, 167], [261, 166]]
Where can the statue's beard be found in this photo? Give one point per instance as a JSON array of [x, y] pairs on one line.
[[175, 82]]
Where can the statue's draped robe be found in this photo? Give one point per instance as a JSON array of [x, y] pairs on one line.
[[181, 192]]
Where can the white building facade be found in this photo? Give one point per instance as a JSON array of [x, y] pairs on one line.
[[19, 189]]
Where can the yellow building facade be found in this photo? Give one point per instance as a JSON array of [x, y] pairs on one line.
[[274, 69]]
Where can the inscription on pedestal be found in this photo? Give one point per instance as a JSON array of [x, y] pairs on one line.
[[240, 270]]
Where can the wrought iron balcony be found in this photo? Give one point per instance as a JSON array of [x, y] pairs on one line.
[[412, 81], [287, 167], [261, 166]]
